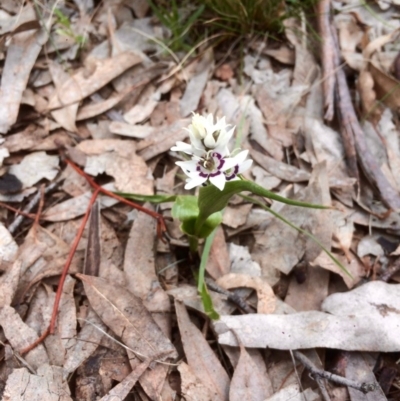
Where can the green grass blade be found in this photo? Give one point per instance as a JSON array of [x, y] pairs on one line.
[[201, 285], [148, 198], [212, 200], [300, 230]]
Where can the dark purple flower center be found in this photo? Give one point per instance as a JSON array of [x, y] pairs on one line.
[[211, 165]]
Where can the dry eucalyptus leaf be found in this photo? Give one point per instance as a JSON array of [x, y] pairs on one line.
[[196, 84], [126, 316], [163, 139], [189, 296], [35, 167], [265, 294], [248, 383], [364, 319], [218, 262], [278, 169], [192, 387], [293, 393], [83, 83], [359, 368], [20, 336], [8, 247], [201, 358], [352, 264], [85, 343], [118, 159], [9, 282], [130, 130], [282, 247], [21, 56], [121, 390], [46, 385]]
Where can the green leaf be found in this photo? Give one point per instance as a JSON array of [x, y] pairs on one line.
[[201, 285], [212, 200], [185, 208], [148, 198], [187, 211], [207, 304], [300, 230]]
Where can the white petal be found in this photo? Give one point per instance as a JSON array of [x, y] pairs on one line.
[[195, 181], [209, 141], [218, 181], [235, 160], [187, 166], [182, 147], [245, 165]]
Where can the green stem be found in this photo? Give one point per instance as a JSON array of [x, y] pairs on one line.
[[204, 259], [193, 244]]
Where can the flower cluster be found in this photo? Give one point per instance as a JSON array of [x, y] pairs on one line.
[[210, 157]]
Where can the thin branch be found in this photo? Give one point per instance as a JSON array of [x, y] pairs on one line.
[[34, 201], [240, 302], [319, 373]]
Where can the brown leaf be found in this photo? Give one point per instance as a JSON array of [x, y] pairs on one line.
[[193, 388], [265, 294], [278, 169], [83, 83], [201, 358], [21, 336], [118, 159], [248, 383], [218, 262], [310, 293], [85, 343], [47, 385], [126, 316], [21, 56], [162, 139], [271, 251], [9, 282], [121, 390]]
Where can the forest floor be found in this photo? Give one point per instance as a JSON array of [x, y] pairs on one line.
[[98, 303]]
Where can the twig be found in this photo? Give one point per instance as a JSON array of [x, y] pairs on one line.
[[34, 201], [240, 302], [50, 329], [319, 373], [328, 64], [351, 129], [392, 270], [161, 227]]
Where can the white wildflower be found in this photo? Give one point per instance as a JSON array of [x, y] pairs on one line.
[[211, 160]]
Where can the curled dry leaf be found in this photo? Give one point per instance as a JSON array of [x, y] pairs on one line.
[[265, 294], [364, 319], [126, 316]]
